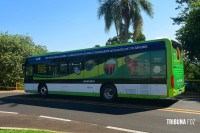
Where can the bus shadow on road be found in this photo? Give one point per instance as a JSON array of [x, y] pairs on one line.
[[89, 104]]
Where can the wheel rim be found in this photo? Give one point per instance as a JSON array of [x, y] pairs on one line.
[[108, 93], [43, 91]]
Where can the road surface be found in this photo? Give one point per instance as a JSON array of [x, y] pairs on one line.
[[90, 114]]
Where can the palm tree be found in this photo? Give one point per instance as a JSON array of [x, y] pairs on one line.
[[123, 13], [110, 10]]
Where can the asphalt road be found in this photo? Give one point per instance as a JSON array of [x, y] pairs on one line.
[[90, 114]]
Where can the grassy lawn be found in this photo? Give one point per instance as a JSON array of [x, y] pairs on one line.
[[22, 131]]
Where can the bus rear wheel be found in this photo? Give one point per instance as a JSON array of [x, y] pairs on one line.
[[43, 90], [108, 93]]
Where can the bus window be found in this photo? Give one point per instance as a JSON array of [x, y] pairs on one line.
[[63, 68], [52, 70], [137, 65], [89, 65], [178, 52], [29, 70], [41, 69], [75, 67], [47, 69], [110, 66], [158, 64]]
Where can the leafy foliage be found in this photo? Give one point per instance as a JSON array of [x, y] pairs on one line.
[[141, 37], [192, 70], [13, 50], [97, 46], [189, 36], [117, 40], [184, 6], [123, 14]]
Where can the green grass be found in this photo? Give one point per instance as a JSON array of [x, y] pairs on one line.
[[22, 131]]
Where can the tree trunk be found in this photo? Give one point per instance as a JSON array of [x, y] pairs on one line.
[[126, 27]]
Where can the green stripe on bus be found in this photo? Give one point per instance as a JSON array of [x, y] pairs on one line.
[[31, 91]]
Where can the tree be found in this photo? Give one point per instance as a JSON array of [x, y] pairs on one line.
[[116, 39], [189, 36], [97, 46], [189, 33], [123, 13], [13, 49], [141, 37], [113, 41], [184, 6]]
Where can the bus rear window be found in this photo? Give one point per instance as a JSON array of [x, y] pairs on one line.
[[178, 49]]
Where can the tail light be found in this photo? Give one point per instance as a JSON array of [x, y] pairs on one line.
[[172, 81]]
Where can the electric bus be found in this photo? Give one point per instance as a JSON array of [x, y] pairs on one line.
[[147, 69]]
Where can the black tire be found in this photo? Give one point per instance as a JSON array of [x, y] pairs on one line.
[[43, 90], [108, 93]]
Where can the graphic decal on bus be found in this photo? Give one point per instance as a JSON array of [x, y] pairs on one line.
[[89, 65], [143, 69], [110, 66]]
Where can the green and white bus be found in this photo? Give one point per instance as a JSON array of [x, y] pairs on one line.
[[148, 69]]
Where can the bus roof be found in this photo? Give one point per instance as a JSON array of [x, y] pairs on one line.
[[96, 48]]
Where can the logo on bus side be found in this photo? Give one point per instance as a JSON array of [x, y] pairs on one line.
[[156, 69], [110, 66]]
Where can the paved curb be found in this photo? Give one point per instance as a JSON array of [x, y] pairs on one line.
[[12, 91], [16, 128], [195, 95]]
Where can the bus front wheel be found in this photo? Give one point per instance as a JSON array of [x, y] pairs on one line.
[[43, 90], [108, 93]]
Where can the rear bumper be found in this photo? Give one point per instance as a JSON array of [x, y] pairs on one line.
[[177, 92]]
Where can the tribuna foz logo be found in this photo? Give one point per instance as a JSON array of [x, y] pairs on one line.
[[180, 121]]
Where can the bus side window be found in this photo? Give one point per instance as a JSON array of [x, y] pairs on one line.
[[63, 68], [41, 69], [46, 69], [158, 64], [75, 67], [89, 65], [52, 70], [29, 70], [178, 51]]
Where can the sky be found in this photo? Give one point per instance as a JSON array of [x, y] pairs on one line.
[[63, 25]]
